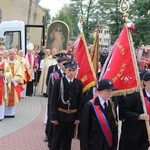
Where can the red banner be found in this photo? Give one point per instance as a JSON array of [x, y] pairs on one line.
[[86, 71], [119, 66]]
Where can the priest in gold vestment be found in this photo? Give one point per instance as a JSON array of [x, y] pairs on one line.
[[5, 83], [25, 71], [46, 62], [16, 84]]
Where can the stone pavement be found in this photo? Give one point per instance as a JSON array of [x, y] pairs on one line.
[[26, 130]]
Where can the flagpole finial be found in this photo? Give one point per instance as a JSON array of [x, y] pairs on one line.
[[124, 6]]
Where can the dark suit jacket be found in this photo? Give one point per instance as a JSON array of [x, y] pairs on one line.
[[51, 82], [92, 137], [50, 70], [73, 93], [133, 130]]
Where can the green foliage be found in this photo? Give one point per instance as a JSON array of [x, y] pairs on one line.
[[140, 15], [69, 14], [107, 12], [111, 16], [47, 17], [89, 11]]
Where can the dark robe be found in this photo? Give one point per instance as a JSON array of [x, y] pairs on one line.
[[49, 126], [51, 69], [134, 134], [92, 136]]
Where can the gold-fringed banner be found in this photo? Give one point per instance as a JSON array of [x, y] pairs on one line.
[[119, 66], [86, 71]]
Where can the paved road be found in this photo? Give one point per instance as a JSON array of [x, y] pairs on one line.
[[26, 130]]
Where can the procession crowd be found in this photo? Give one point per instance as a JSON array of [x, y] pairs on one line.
[[92, 115]]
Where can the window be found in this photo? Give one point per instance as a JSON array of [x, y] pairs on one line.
[[13, 39]]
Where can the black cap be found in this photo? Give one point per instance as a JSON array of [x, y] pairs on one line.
[[58, 55], [146, 76], [71, 64], [105, 84], [142, 73], [62, 57]]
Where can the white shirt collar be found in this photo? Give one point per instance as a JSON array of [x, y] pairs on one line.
[[69, 80], [58, 66], [102, 101], [62, 72], [148, 95], [11, 61]]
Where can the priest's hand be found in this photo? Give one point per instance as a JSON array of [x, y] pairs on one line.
[[55, 122], [144, 117], [77, 122]]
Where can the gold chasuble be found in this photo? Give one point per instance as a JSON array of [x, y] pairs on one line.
[[25, 69], [16, 85], [5, 83], [42, 82], [11, 94]]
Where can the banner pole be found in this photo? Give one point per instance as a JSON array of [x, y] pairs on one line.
[[124, 7], [138, 78]]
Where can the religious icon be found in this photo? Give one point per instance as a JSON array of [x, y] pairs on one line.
[[57, 35]]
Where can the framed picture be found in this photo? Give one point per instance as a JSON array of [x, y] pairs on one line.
[[57, 35]]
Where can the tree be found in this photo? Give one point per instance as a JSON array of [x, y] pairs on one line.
[[47, 17], [89, 13], [72, 13], [108, 14], [140, 15], [111, 16], [64, 16], [69, 14], [74, 9]]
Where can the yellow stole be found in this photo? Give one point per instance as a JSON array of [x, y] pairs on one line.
[[11, 94]]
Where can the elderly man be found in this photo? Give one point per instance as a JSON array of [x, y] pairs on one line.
[[5, 54], [16, 87], [33, 65], [26, 69], [5, 83], [44, 65]]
